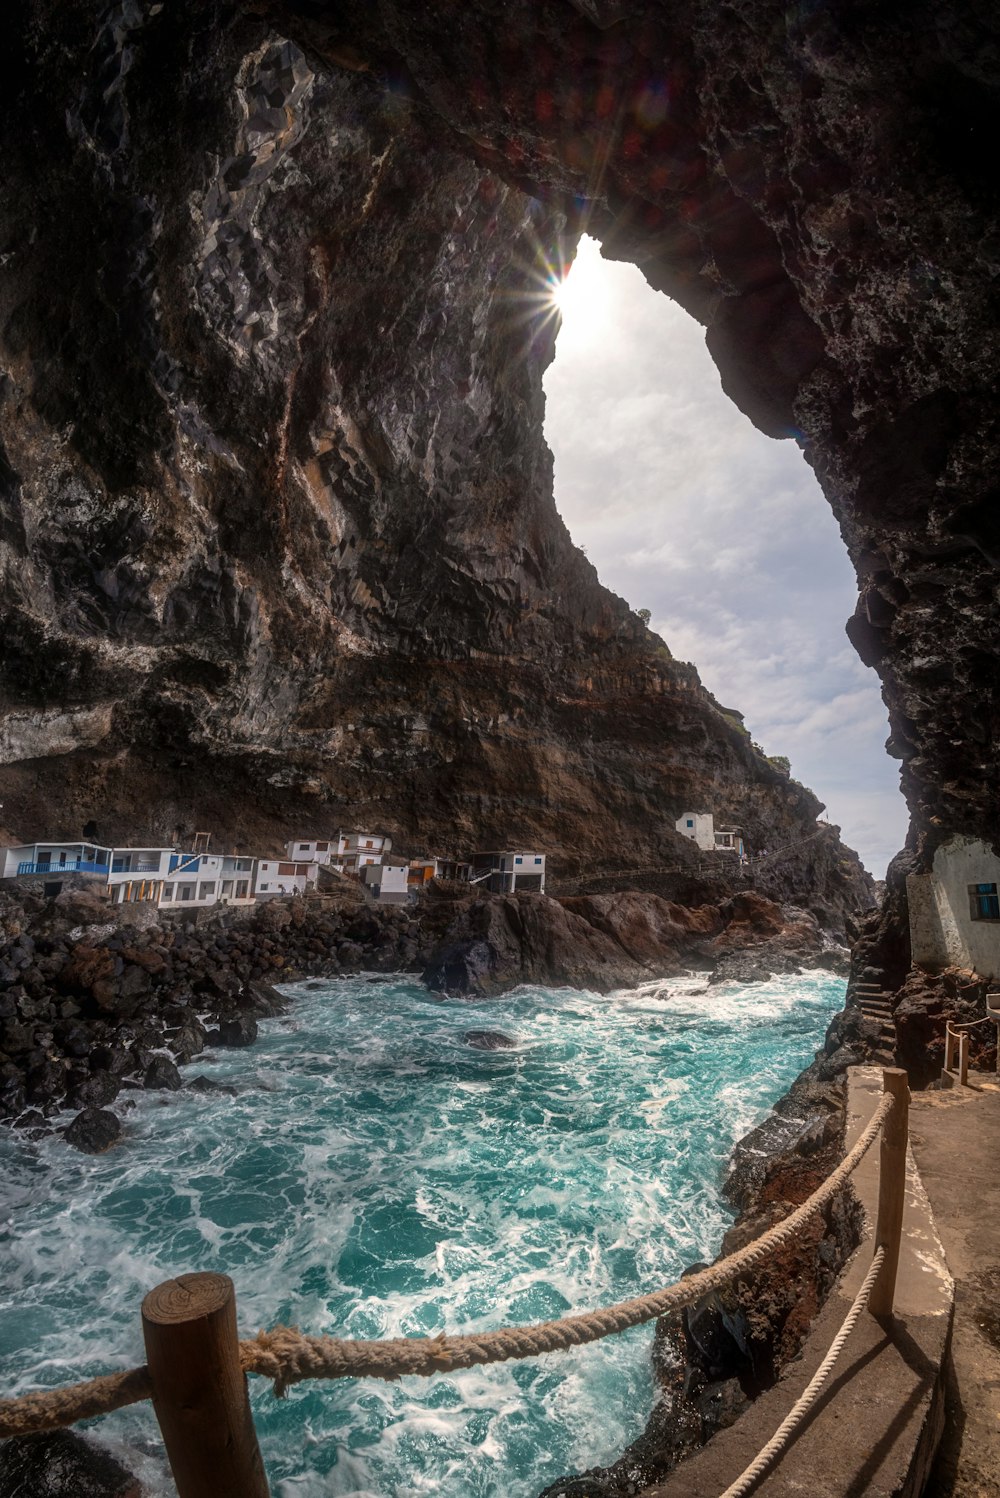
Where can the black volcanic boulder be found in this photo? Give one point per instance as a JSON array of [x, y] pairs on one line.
[[93, 1131], [489, 1040], [161, 1073], [61, 1464], [242, 1030], [95, 1090]]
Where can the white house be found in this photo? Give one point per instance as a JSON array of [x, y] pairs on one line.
[[388, 882], [238, 878], [357, 850], [194, 881], [130, 874], [504, 873], [700, 827], [279, 876], [325, 851], [955, 909]]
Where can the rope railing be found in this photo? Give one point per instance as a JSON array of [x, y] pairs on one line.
[[189, 1325]]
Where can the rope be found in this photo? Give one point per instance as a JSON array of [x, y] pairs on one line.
[[988, 1019], [52, 1409], [778, 1443], [287, 1356]]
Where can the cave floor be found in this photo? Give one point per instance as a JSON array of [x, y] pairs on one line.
[[955, 1137]]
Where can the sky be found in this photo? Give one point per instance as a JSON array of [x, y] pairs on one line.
[[686, 509]]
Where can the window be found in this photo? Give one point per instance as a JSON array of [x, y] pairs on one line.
[[168, 892], [538, 860], [262, 886], [322, 847], [369, 844], [690, 822], [286, 868], [984, 902], [518, 860], [185, 891]]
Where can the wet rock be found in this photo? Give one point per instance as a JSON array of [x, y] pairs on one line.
[[61, 1464], [239, 1031], [207, 1084], [95, 1090], [161, 1073], [93, 1131], [489, 1040]]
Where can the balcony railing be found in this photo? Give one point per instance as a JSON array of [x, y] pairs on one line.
[[71, 866], [121, 867]]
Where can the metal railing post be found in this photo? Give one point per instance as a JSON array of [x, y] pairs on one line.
[[200, 1389], [891, 1189]]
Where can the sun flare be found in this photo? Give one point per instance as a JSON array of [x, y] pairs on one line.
[[581, 295]]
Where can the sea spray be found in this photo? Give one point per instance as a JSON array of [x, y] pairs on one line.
[[375, 1175]]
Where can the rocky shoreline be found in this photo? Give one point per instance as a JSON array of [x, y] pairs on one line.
[[94, 1005], [91, 1010]]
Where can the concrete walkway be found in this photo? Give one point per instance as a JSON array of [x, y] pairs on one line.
[[872, 1433], [955, 1138]]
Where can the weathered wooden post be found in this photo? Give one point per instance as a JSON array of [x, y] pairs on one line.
[[891, 1190], [200, 1389], [963, 1058]]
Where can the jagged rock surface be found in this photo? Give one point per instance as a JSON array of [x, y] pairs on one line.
[[278, 537], [605, 942]]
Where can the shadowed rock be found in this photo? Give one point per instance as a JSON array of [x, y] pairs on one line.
[[93, 1131], [489, 1040]]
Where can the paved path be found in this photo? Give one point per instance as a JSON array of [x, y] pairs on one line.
[[871, 1431], [955, 1137]]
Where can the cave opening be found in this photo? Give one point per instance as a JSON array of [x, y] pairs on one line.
[[722, 533]]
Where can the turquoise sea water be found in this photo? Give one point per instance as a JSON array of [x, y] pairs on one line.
[[375, 1176]]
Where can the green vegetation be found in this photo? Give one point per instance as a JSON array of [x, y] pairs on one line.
[[644, 615]]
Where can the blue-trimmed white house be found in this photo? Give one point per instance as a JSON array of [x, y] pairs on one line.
[[130, 873]]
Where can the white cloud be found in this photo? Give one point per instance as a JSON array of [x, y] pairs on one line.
[[686, 509]]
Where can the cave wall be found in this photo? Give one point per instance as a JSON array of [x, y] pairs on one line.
[[816, 185], [276, 521]]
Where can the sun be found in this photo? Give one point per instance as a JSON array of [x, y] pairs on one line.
[[581, 295]]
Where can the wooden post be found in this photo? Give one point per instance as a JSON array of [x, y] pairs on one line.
[[200, 1389], [891, 1190], [963, 1058]]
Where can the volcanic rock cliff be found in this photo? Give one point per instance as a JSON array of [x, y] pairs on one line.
[[276, 514]]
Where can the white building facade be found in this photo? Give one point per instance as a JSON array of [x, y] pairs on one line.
[[388, 882], [700, 827], [955, 909], [505, 873], [130, 874], [280, 876]]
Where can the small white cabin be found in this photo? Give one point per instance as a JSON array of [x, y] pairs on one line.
[[325, 851], [506, 872], [388, 882], [699, 826], [193, 881], [279, 876], [955, 909], [358, 850]]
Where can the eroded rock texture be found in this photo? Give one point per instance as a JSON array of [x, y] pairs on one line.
[[277, 527]]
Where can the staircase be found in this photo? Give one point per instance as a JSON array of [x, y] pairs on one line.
[[876, 1005]]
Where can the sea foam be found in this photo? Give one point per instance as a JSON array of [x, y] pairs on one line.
[[376, 1176]]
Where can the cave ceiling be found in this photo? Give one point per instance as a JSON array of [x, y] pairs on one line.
[[272, 409]]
